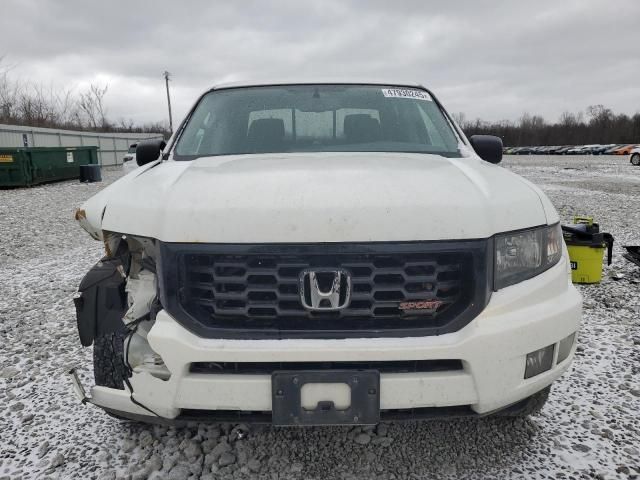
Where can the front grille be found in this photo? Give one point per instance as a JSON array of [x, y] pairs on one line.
[[223, 290], [267, 368], [267, 288]]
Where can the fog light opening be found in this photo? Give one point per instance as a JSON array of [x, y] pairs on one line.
[[539, 361], [564, 347]]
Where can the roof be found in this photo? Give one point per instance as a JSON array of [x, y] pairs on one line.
[[307, 81]]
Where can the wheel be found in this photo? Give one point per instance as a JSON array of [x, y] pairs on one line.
[[635, 159], [109, 369], [528, 406]]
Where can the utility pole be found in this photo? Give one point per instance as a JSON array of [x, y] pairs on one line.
[[166, 81]]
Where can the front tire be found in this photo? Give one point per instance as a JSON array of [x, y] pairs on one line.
[[635, 159], [528, 406], [109, 369]]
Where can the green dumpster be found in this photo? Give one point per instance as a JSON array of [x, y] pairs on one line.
[[21, 167]]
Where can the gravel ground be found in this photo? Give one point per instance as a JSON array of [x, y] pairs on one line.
[[589, 428]]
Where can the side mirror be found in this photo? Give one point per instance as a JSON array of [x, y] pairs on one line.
[[149, 150], [488, 147]]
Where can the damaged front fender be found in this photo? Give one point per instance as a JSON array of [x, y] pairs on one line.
[[91, 214], [89, 225], [121, 291]]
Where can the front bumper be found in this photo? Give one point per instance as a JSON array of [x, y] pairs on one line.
[[492, 348]]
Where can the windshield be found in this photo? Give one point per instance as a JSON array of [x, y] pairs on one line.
[[132, 148], [316, 118]]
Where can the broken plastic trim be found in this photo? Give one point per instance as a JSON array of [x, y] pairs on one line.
[[126, 377], [107, 301], [111, 242], [77, 386], [82, 396], [102, 301]]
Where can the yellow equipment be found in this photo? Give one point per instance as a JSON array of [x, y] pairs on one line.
[[586, 245]]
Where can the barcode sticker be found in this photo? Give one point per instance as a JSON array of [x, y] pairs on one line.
[[406, 93]]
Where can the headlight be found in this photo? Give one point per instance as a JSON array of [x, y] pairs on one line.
[[525, 254]]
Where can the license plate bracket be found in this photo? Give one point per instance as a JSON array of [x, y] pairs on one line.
[[287, 409]]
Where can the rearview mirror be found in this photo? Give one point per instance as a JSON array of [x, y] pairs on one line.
[[488, 147], [149, 150]]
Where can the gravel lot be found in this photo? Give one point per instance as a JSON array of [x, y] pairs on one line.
[[589, 428]]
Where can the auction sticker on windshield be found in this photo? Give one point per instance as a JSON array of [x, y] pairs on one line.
[[406, 93]]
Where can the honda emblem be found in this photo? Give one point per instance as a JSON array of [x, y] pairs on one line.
[[325, 289]]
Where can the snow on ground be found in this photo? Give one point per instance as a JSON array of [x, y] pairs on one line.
[[590, 427]]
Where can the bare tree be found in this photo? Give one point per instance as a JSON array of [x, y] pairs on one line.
[[28, 103], [91, 102], [126, 125], [460, 118], [67, 108], [599, 113], [7, 95]]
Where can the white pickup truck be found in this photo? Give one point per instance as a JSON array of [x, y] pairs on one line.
[[324, 253]]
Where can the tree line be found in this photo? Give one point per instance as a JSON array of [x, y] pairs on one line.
[[600, 125], [36, 105], [32, 104]]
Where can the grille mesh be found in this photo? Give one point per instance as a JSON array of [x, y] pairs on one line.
[[262, 290]]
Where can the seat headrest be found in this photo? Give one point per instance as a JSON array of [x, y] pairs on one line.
[[361, 127], [266, 135]]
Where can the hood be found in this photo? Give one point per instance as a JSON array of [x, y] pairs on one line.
[[317, 197]]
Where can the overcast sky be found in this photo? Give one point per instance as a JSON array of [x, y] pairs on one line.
[[489, 59]]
